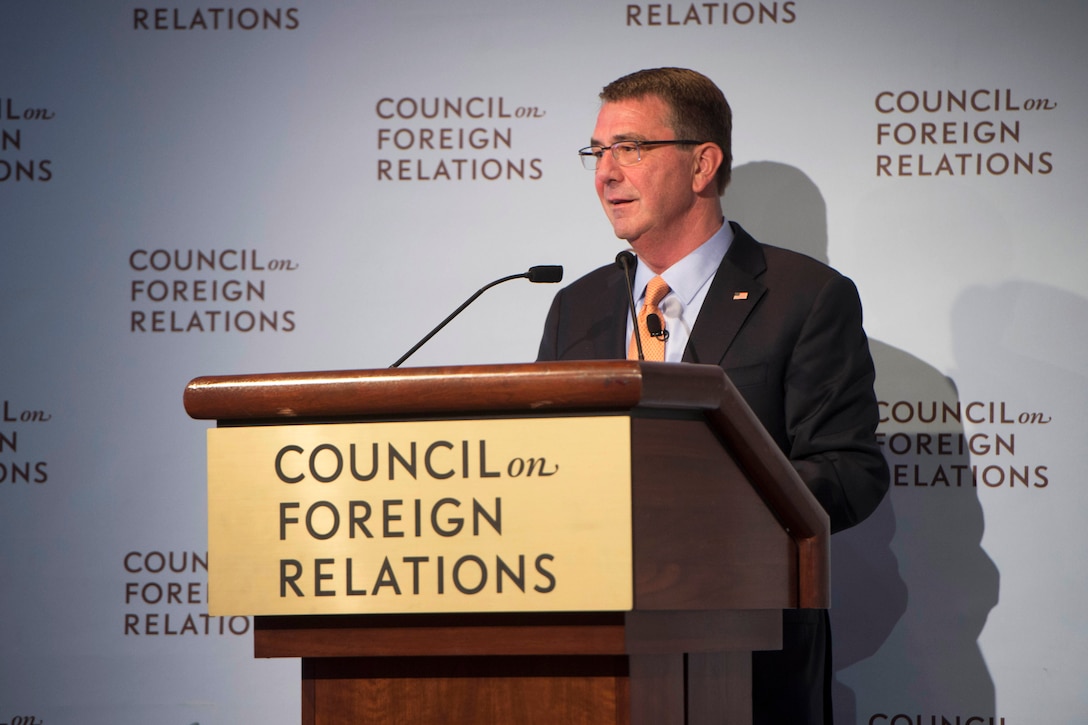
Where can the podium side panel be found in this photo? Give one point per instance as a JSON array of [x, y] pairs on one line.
[[703, 537]]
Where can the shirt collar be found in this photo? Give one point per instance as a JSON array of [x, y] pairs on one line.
[[687, 277]]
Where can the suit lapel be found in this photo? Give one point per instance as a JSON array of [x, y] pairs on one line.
[[732, 296]]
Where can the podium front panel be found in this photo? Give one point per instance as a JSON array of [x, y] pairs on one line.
[[486, 515]]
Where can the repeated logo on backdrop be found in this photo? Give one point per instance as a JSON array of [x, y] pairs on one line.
[[16, 467], [166, 594], [18, 160], [206, 290], [710, 14], [215, 18], [952, 444], [944, 133], [461, 138], [908, 719]]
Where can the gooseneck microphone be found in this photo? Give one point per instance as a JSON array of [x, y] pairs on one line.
[[548, 273], [624, 259]]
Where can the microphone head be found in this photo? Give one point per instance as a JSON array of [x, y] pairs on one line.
[[545, 273], [626, 259]]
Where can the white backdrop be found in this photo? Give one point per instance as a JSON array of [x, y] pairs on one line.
[[132, 136]]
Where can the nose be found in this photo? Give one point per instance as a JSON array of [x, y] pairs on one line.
[[608, 169]]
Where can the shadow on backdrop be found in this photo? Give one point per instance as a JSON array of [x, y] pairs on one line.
[[1017, 342], [911, 585]]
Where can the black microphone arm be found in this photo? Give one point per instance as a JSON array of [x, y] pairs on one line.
[[624, 260], [548, 273]]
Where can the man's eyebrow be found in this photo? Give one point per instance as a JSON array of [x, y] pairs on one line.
[[617, 139]]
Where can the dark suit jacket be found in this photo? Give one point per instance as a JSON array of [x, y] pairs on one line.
[[787, 331]]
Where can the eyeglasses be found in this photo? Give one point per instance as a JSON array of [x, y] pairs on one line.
[[626, 153]]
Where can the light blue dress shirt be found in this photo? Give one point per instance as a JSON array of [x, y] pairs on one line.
[[688, 280]]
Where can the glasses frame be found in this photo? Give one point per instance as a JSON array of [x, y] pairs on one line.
[[597, 152]]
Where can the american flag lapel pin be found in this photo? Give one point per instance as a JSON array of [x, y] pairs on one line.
[[740, 295]]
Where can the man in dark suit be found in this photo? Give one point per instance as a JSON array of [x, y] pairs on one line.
[[784, 327]]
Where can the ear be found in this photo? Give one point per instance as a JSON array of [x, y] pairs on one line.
[[707, 158]]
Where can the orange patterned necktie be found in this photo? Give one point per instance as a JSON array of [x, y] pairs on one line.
[[653, 348]]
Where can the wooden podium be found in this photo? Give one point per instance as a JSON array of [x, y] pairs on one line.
[[724, 536]]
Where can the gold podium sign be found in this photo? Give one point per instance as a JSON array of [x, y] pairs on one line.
[[425, 516]]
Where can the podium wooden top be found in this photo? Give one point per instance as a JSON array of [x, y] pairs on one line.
[[530, 387]]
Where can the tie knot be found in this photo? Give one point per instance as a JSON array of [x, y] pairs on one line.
[[656, 289]]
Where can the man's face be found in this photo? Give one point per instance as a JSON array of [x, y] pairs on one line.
[[649, 203]]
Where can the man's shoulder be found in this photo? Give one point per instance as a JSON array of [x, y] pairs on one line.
[[776, 262], [780, 257]]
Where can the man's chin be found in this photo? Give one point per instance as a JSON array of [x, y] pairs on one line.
[[623, 230]]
